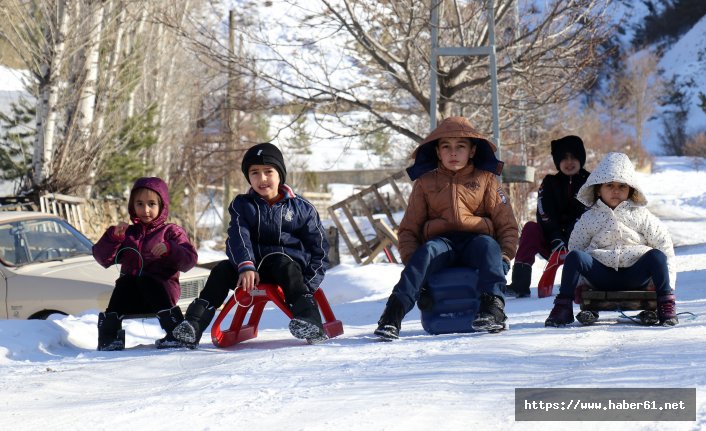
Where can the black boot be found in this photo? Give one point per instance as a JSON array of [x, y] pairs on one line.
[[111, 336], [198, 316], [491, 315], [390, 322], [587, 317], [168, 320], [306, 320], [521, 279]]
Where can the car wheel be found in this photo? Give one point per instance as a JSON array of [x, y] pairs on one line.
[[44, 314]]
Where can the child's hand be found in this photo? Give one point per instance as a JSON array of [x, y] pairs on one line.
[[119, 230], [557, 244], [506, 266], [248, 280], [159, 249]]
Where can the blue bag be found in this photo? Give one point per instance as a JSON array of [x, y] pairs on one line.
[[454, 297]]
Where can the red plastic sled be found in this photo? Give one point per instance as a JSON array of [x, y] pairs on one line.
[[257, 300], [546, 283]]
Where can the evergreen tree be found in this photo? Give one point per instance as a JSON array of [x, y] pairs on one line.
[[16, 143], [676, 100], [667, 20], [299, 146], [119, 170], [377, 141]]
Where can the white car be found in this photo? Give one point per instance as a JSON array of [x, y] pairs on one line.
[[46, 267]]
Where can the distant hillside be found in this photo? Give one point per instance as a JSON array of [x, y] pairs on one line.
[[667, 21], [684, 59]]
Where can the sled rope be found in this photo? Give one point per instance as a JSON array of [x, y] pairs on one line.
[[131, 249], [634, 318]]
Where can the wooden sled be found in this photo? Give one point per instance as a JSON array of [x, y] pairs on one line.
[[592, 300]]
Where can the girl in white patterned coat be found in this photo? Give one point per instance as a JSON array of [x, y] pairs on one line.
[[617, 244]]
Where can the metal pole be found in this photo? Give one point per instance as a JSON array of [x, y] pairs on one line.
[[433, 63], [520, 95], [229, 123], [493, 77]]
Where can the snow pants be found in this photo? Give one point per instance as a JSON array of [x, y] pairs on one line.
[[532, 242], [651, 266], [138, 295], [277, 269]]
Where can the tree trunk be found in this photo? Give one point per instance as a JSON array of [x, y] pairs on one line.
[[87, 106], [111, 70], [49, 94], [133, 44]]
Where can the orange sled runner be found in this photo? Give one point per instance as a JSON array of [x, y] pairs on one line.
[[257, 300]]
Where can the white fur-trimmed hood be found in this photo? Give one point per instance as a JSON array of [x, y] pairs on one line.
[[615, 167]]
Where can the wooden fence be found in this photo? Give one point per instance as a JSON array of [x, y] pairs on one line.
[[369, 201]]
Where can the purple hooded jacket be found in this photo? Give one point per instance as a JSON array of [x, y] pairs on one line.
[[180, 256]]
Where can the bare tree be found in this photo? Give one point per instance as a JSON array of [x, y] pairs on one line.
[[640, 88], [40, 42], [357, 56], [99, 66]]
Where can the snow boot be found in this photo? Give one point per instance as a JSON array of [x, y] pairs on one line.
[[198, 316], [111, 336], [648, 318], [491, 315], [521, 279], [562, 314], [667, 310], [306, 320], [168, 320], [390, 322], [587, 317]]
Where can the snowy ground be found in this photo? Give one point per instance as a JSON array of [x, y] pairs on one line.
[[52, 377]]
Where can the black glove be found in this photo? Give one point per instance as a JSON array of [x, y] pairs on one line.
[[425, 301], [557, 244], [506, 266]]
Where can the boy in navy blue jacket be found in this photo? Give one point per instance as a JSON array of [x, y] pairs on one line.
[[275, 236]]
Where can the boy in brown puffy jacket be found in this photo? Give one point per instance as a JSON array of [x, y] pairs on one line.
[[457, 215]]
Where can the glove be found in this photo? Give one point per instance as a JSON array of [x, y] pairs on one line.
[[425, 301], [506, 266], [557, 244]]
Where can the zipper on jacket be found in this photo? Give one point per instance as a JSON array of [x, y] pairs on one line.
[[454, 200]]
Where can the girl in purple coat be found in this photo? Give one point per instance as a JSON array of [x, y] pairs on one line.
[[151, 253]]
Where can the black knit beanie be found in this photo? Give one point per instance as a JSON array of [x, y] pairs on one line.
[[568, 144], [264, 154]]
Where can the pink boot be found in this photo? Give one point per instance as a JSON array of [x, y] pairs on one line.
[[667, 310], [562, 314]]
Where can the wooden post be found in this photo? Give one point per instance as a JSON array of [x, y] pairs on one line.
[[342, 231]]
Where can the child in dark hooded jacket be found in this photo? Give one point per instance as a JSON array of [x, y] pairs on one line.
[[151, 253], [557, 212]]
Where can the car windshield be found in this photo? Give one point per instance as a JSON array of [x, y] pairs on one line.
[[40, 240]]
